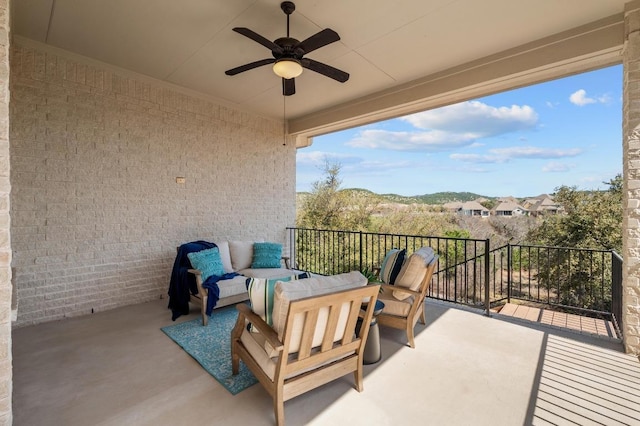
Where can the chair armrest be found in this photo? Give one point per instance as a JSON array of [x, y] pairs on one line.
[[265, 329], [400, 289], [194, 271]]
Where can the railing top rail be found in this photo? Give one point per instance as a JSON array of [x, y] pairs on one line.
[[557, 248], [443, 237]]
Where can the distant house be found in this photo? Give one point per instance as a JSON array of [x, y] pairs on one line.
[[473, 208], [543, 204], [509, 209], [508, 199], [453, 206]]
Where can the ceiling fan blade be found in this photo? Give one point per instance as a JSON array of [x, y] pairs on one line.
[[325, 70], [247, 67], [288, 86], [259, 39], [318, 40]]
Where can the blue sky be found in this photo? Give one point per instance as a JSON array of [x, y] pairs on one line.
[[523, 142]]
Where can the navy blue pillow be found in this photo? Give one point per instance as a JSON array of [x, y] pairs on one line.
[[391, 266]]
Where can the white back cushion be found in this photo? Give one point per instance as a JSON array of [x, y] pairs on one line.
[[223, 247], [241, 254], [413, 271]]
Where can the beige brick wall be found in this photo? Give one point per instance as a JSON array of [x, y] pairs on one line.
[[5, 240], [96, 210], [631, 166]]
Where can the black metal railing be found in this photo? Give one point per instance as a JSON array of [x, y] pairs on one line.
[[462, 264], [584, 281], [469, 272]]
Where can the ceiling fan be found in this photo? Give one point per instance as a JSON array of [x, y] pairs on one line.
[[288, 54]]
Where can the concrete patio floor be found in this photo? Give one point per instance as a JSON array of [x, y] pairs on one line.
[[118, 368]]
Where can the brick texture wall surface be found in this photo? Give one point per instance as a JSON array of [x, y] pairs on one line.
[[631, 165], [96, 210], [5, 240]]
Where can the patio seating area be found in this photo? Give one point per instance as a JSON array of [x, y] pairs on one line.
[[117, 367]]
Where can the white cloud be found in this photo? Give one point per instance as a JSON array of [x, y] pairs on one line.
[[535, 152], [477, 118], [557, 167], [449, 127], [580, 98], [478, 158], [503, 155], [475, 170], [318, 158], [605, 99], [432, 141]]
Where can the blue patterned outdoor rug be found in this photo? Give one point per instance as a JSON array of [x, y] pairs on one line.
[[211, 347]]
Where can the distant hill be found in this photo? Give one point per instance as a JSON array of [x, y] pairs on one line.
[[447, 197], [434, 199]]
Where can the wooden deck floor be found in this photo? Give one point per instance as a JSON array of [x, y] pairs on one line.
[[579, 323]]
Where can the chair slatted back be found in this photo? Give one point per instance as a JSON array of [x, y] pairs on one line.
[[333, 317]]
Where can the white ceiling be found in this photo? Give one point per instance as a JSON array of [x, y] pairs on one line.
[[383, 43]]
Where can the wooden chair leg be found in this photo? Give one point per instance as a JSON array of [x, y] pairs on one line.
[[235, 358], [357, 377], [236, 334], [278, 409], [423, 319], [205, 318], [410, 335]]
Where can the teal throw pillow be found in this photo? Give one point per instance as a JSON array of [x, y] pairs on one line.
[[266, 255], [207, 261]]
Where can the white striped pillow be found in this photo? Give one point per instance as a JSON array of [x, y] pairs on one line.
[[261, 294]]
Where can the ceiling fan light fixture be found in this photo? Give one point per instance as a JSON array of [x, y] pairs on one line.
[[287, 68]]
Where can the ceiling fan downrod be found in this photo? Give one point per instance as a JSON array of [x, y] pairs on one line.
[[287, 7]]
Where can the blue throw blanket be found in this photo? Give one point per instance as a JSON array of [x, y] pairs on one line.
[[211, 284], [183, 283]]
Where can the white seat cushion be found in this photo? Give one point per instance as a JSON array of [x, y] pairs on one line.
[[255, 344], [232, 287], [267, 272]]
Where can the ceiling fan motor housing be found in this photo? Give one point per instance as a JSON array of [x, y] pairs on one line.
[[288, 45]]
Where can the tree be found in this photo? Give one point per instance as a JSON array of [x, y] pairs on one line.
[[414, 220], [592, 219], [330, 207]]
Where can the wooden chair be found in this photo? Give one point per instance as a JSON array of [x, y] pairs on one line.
[[404, 314], [318, 344]]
